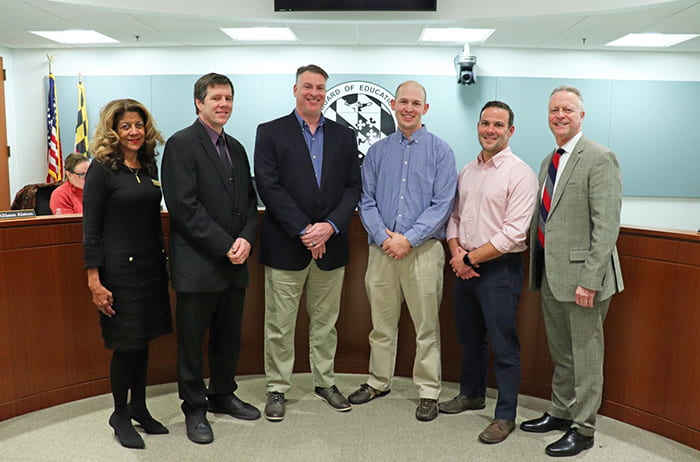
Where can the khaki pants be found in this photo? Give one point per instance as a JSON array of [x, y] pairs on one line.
[[417, 279], [283, 290], [576, 343]]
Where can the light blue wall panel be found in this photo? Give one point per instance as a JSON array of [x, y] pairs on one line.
[[247, 110], [647, 124], [653, 128], [528, 97], [454, 113], [277, 100], [173, 105], [99, 91]]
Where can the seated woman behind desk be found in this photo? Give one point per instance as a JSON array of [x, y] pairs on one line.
[[68, 198]]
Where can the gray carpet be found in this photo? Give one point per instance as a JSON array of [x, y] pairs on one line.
[[382, 430]]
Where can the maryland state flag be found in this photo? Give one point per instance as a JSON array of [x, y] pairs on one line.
[[54, 156], [81, 126]]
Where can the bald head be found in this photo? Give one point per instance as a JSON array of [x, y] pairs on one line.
[[412, 83]]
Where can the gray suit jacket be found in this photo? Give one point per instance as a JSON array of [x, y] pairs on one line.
[[583, 225]]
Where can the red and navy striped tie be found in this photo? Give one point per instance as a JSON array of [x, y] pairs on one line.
[[546, 203]]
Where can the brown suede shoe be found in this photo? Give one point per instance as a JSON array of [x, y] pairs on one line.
[[497, 431], [461, 403]]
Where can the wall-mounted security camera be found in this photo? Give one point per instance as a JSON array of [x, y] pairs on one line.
[[464, 65]]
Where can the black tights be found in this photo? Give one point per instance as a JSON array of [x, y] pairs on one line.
[[128, 372]]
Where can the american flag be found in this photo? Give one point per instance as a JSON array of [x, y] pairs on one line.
[[54, 156]]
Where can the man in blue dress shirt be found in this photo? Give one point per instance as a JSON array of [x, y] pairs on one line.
[[408, 187]]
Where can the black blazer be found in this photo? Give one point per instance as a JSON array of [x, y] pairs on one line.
[[209, 208], [287, 185]]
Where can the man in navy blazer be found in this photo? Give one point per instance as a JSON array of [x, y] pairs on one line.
[[308, 175], [213, 219]]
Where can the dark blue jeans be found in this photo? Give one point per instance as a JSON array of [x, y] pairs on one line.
[[486, 310]]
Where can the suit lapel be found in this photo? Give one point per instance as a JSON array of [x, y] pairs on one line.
[[574, 158], [213, 156], [299, 148], [328, 153]]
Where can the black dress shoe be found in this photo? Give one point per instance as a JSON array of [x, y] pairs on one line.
[[333, 397], [231, 405], [545, 424], [570, 444], [198, 429]]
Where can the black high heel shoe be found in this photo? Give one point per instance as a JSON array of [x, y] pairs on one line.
[[125, 432], [146, 420]]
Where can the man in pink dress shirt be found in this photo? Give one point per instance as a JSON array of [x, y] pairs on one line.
[[486, 236]]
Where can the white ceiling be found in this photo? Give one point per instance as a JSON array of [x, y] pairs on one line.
[[547, 24]]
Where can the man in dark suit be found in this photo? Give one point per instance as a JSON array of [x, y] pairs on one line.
[[213, 218], [575, 265], [308, 175]]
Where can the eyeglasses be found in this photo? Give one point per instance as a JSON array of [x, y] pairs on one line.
[[80, 175]]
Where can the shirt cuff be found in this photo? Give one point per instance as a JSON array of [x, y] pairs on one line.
[[413, 238], [335, 228]]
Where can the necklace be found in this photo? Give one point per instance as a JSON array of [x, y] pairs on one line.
[[135, 172]]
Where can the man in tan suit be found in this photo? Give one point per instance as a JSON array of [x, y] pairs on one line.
[[575, 265]]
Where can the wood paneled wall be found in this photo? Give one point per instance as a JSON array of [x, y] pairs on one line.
[[51, 351]]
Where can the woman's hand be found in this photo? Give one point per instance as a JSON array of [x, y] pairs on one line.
[[103, 299], [100, 295]]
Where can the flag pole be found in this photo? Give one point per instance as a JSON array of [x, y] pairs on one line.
[[81, 124], [54, 157]]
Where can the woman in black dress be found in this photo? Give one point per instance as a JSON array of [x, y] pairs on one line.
[[125, 256]]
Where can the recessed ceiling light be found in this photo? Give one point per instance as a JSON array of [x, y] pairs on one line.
[[74, 36], [455, 34], [260, 34], [650, 40]]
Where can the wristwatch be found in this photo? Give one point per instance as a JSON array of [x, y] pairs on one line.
[[467, 261]]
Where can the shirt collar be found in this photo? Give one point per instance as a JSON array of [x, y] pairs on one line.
[[416, 136], [212, 134], [498, 158], [302, 122], [571, 144]]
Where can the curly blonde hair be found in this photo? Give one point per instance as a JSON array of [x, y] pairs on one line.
[[105, 141]]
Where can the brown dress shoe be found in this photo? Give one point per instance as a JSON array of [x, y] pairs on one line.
[[497, 431], [366, 393], [274, 408], [462, 403]]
